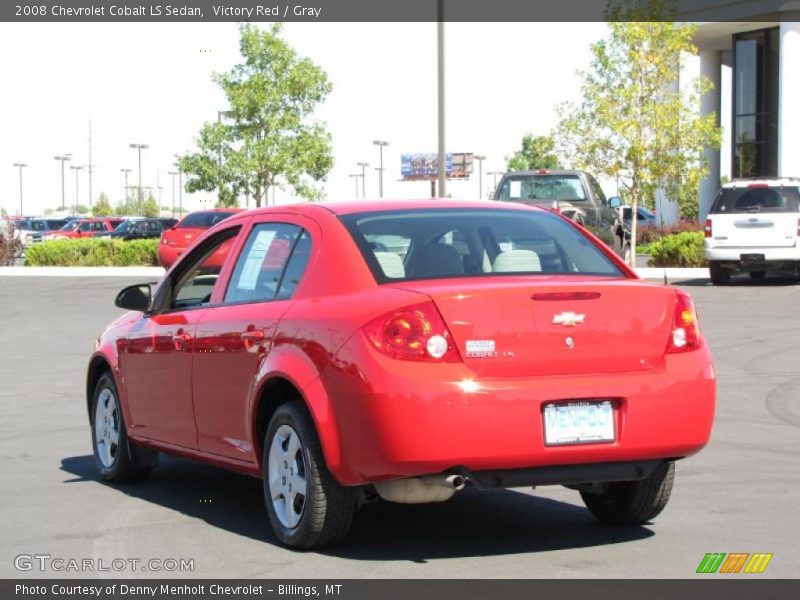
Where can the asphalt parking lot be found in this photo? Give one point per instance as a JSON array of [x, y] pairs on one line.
[[739, 495]]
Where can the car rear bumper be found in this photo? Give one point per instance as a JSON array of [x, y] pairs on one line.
[[403, 419], [167, 254], [734, 254]]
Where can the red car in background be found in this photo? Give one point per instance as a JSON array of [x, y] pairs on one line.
[[174, 241], [346, 353], [84, 228]]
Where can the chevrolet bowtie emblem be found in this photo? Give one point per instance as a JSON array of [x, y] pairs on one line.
[[568, 319]]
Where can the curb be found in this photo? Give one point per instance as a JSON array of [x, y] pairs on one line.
[[656, 273]]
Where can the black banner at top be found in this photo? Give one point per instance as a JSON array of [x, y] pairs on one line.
[[377, 10]]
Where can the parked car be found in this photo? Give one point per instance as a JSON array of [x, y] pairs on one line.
[[32, 230], [137, 229], [463, 343], [84, 228], [644, 220], [574, 194], [753, 226], [174, 241]]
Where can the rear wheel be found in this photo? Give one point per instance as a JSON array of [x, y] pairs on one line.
[[306, 506], [719, 275], [633, 502], [758, 275], [112, 454]]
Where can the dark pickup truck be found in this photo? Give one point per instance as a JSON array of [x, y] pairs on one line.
[[574, 194]]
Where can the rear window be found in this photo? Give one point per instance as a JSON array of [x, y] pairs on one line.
[[436, 243], [204, 220], [764, 199], [542, 187]]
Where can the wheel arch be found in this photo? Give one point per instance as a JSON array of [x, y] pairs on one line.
[[98, 365]]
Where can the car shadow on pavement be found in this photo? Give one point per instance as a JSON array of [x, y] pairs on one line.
[[739, 281], [472, 523]]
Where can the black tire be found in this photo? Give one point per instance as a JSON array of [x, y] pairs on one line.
[[719, 275], [119, 465], [758, 275], [327, 508], [633, 502]]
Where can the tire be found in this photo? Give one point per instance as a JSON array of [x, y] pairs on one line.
[[719, 275], [292, 464], [633, 502], [112, 450], [758, 275]]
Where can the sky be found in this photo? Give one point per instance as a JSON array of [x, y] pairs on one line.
[[151, 83]]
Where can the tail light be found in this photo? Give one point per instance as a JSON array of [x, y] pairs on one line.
[[415, 332], [708, 228], [685, 335]]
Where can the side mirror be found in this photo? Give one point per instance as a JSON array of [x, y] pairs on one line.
[[135, 297], [614, 202]]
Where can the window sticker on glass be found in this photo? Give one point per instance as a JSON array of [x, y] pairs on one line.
[[514, 188], [255, 259]]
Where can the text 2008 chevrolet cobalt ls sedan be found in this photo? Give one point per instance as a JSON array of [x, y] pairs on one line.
[[402, 350]]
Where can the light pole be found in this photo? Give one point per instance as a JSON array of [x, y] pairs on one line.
[[180, 184], [480, 158], [172, 175], [63, 158], [125, 200], [356, 176], [140, 203], [442, 175], [363, 166], [20, 166], [76, 168], [495, 173], [380, 144]]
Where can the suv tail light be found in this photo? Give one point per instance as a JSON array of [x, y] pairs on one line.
[[415, 332], [708, 228], [685, 333]]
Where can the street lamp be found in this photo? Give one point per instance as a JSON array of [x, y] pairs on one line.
[[63, 158], [356, 175], [20, 166], [363, 166], [172, 175], [480, 158], [140, 202], [125, 200], [180, 183], [76, 168], [380, 144], [441, 167]]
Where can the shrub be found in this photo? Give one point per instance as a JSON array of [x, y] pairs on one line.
[[101, 252], [679, 250], [649, 235]]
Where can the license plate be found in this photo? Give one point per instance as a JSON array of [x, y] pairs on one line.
[[751, 258], [579, 423]]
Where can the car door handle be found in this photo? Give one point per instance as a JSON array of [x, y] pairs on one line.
[[254, 335]]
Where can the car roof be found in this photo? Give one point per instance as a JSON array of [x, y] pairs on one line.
[[365, 206], [546, 172]]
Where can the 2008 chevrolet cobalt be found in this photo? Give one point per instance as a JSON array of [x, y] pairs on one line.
[[403, 350]]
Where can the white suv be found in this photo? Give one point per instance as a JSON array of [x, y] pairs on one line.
[[754, 226]]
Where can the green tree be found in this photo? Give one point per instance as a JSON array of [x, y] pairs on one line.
[[102, 207], [630, 124], [150, 208], [537, 152], [268, 133]]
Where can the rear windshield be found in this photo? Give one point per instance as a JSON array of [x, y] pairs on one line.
[[204, 220], [542, 187], [435, 243], [764, 199]]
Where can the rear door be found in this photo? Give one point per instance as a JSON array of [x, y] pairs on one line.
[[756, 216], [236, 334]]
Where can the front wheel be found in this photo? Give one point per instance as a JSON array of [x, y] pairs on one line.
[[112, 453], [306, 506], [633, 502]]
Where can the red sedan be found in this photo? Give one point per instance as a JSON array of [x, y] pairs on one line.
[[176, 240], [403, 350]]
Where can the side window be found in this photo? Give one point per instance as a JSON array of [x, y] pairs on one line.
[[196, 282], [295, 267], [86, 227], [597, 190], [257, 274]]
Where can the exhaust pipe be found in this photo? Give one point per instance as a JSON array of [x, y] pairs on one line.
[[421, 490]]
